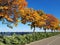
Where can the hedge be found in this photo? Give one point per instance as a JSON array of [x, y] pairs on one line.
[[24, 39]]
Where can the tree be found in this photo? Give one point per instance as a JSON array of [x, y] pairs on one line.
[[14, 11], [52, 22], [39, 20], [58, 26], [9, 10]]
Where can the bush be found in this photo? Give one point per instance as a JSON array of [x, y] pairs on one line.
[[24, 39]]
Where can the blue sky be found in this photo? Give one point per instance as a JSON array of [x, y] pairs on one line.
[[48, 6]]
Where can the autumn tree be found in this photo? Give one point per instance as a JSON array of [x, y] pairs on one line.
[[39, 20], [42, 22], [52, 22], [29, 15], [9, 10], [14, 11], [58, 28]]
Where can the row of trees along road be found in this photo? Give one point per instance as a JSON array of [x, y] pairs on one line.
[[14, 11]]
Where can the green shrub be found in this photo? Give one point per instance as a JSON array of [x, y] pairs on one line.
[[24, 39], [1, 43]]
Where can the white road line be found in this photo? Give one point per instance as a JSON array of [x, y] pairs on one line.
[[53, 41]]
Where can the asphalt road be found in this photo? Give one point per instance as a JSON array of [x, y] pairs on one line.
[[54, 40]]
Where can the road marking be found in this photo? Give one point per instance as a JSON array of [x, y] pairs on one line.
[[53, 41]]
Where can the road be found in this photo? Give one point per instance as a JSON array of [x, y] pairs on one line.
[[54, 40]]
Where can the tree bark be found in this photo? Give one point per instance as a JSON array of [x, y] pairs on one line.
[[34, 30], [45, 30], [52, 31]]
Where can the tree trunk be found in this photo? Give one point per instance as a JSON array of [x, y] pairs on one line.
[[34, 30], [51, 30], [45, 30], [33, 34], [54, 30]]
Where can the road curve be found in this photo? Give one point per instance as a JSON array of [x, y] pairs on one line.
[[54, 40]]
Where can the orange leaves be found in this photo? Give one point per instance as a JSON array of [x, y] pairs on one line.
[[59, 26], [35, 16], [10, 9], [21, 3], [53, 22], [6, 17], [9, 19], [13, 10], [1, 14], [41, 23], [3, 7], [22, 12]]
